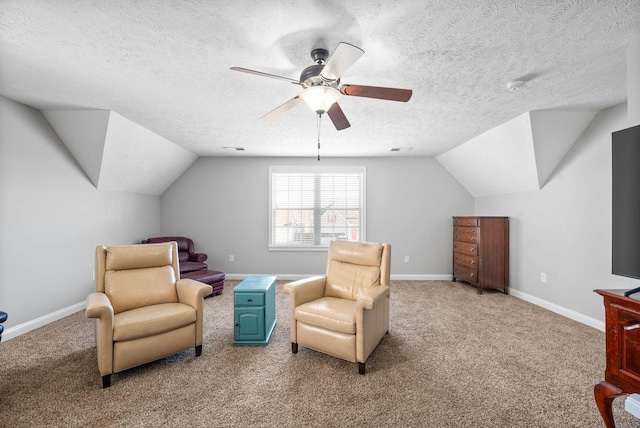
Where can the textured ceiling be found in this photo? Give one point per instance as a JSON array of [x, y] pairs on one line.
[[165, 66]]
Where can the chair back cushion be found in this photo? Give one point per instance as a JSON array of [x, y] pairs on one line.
[[185, 245], [140, 275], [352, 268]]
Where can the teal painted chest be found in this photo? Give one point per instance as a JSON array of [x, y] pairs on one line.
[[254, 310]]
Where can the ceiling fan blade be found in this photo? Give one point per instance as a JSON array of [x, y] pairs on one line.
[[341, 60], [392, 94], [260, 73], [282, 109], [337, 117]]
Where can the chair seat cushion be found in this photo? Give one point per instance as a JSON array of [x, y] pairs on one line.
[[149, 320], [330, 313], [207, 276], [191, 266]]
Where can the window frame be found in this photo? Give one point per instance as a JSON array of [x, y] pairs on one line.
[[358, 170]]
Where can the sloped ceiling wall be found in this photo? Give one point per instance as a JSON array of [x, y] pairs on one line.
[[517, 156], [118, 154]]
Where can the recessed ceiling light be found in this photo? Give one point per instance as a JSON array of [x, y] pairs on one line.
[[401, 149], [234, 149], [514, 85]]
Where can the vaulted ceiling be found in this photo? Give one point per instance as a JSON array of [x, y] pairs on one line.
[[164, 65]]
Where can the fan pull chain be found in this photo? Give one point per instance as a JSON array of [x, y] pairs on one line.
[[318, 125]]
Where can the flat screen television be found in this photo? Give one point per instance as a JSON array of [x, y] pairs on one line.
[[625, 150]]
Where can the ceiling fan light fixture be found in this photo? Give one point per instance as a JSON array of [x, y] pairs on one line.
[[320, 98]]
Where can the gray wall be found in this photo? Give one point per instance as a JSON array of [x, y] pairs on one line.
[[51, 220], [52, 217], [564, 229], [222, 204]]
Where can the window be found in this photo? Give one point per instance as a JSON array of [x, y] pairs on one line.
[[310, 206]]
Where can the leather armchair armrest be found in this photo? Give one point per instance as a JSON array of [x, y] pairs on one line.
[[192, 293], [370, 298], [305, 290], [302, 291], [198, 257], [372, 320], [99, 306]]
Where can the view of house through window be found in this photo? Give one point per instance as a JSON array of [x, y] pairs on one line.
[[311, 206]]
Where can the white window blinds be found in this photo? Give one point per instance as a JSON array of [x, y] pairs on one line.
[[310, 206]]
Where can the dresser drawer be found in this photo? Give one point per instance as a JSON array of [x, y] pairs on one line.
[[467, 234], [465, 248], [466, 273], [465, 221], [248, 299], [465, 260]]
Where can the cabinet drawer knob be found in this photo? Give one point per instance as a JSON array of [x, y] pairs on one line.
[[250, 300], [471, 249], [472, 275]]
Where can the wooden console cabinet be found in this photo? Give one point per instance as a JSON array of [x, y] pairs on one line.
[[481, 252], [622, 373]]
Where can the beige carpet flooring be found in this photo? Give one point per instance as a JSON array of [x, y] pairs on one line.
[[452, 358]]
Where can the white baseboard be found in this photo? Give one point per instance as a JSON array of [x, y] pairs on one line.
[[569, 313], [23, 328]]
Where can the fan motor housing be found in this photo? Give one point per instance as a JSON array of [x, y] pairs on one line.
[[310, 72], [310, 76]]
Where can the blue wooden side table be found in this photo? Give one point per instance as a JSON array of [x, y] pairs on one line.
[[254, 310]]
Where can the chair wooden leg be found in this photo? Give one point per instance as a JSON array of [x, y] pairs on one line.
[[198, 350], [361, 368], [294, 348], [106, 381]]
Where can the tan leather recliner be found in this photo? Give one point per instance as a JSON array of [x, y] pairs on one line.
[[144, 310], [346, 312]]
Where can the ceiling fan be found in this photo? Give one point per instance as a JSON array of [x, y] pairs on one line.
[[321, 85]]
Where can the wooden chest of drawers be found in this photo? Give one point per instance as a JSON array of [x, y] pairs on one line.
[[481, 252]]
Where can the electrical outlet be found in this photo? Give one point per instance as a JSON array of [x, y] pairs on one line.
[[406, 259], [231, 258], [543, 277]]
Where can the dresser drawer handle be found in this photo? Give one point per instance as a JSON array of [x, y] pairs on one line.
[[250, 300], [631, 327]]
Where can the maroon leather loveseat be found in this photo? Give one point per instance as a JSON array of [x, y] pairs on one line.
[[192, 264]]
